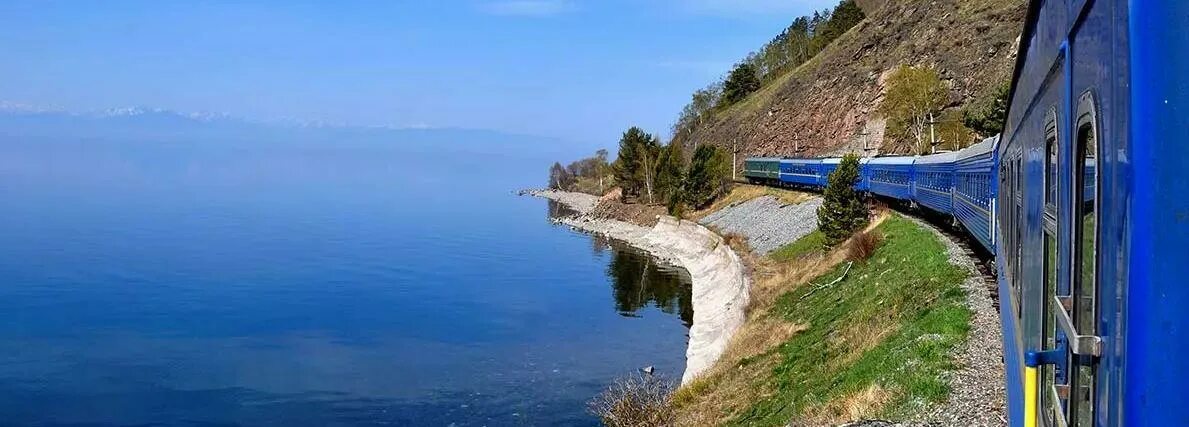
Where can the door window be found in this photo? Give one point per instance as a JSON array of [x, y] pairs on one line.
[[1084, 294]]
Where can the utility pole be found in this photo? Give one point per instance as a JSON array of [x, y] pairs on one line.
[[734, 158], [932, 135]]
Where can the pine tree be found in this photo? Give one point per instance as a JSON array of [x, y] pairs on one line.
[[670, 171], [842, 212], [709, 176], [742, 82], [635, 168]]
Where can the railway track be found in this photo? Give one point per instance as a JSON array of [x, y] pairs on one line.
[[984, 262]]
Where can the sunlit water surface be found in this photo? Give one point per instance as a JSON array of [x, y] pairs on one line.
[[173, 284]]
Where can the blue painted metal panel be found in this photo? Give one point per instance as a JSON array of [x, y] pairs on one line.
[[864, 184], [975, 175], [827, 167], [1155, 295], [799, 171], [933, 182], [891, 176]]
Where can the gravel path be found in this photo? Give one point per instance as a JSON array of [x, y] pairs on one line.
[[767, 223], [977, 396]]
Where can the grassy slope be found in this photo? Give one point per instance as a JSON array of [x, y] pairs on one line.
[[873, 345], [811, 244]]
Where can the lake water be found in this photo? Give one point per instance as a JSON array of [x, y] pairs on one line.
[[267, 284]]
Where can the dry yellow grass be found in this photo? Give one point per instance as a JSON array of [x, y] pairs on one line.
[[863, 404], [744, 192]]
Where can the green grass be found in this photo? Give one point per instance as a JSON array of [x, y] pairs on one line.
[[809, 244], [894, 322]]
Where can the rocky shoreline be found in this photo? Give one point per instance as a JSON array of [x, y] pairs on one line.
[[720, 284]]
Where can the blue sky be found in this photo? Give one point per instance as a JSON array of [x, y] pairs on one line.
[[579, 70]]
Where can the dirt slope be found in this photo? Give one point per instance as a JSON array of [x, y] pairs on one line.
[[827, 105]]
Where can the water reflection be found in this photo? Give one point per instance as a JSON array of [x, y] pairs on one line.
[[638, 281], [559, 210]]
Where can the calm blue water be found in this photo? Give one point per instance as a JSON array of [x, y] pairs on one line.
[[173, 284]]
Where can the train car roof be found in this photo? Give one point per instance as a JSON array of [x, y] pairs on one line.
[[979, 149], [838, 160], [893, 160], [801, 160], [761, 159], [933, 159]]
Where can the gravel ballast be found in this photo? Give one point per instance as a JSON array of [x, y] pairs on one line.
[[767, 223]]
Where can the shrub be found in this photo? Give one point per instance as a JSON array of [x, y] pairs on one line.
[[636, 401], [988, 114], [735, 240], [842, 212], [676, 206], [863, 246]]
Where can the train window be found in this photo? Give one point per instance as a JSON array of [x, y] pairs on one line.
[[1017, 240], [1050, 378], [1050, 170], [1085, 304]]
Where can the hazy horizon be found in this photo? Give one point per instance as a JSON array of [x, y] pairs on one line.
[[579, 71]]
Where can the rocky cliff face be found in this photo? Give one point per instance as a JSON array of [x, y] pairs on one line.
[[827, 106]]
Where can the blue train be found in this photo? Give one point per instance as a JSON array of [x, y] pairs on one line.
[[957, 184], [1084, 203]]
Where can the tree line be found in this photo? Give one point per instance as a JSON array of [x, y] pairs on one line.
[[589, 175], [649, 172], [798, 43]]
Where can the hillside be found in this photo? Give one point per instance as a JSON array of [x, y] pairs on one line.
[[828, 104]]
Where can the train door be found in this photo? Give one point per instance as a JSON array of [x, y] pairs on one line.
[[1082, 302], [1070, 307]]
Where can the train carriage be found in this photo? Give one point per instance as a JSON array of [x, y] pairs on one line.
[[974, 191], [1091, 210], [891, 176], [800, 172], [933, 182], [762, 170], [828, 166]]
